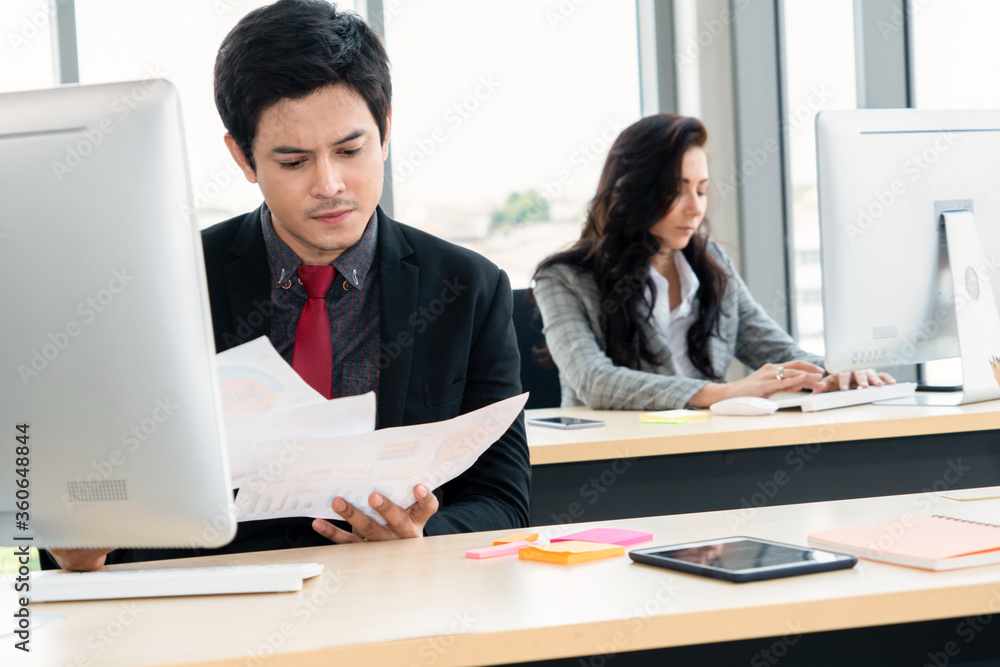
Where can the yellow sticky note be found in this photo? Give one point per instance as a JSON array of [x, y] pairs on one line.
[[671, 416], [574, 551], [516, 537]]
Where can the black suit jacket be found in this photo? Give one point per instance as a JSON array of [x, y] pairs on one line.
[[447, 347]]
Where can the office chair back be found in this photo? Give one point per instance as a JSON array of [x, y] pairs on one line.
[[542, 382]]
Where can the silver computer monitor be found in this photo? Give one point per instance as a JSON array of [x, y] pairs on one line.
[[108, 353], [910, 240]]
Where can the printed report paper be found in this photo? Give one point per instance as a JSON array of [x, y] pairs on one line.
[[302, 476], [263, 398]]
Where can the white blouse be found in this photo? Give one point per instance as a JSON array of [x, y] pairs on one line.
[[673, 325]]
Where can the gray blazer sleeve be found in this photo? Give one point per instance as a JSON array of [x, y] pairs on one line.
[[571, 313]]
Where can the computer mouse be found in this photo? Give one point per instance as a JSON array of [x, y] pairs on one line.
[[744, 406]]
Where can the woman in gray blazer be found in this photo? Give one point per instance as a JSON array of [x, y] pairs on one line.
[[644, 311]]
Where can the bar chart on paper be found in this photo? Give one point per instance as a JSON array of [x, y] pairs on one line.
[[265, 502], [294, 498]]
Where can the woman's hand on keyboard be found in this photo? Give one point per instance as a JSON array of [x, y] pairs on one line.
[[80, 560], [767, 380], [851, 379]]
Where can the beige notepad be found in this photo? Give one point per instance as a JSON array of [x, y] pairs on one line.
[[928, 542], [986, 493]]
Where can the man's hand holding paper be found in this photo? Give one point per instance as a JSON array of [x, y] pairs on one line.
[[400, 523]]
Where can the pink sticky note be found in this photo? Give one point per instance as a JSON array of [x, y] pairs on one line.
[[618, 536], [502, 550]]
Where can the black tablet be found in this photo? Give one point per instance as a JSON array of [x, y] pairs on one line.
[[565, 422], [742, 559]]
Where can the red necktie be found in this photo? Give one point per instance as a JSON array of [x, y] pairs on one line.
[[312, 357]]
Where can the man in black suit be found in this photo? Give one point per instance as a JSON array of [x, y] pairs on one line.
[[304, 92]]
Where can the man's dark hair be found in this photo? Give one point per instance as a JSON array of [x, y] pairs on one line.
[[289, 50]]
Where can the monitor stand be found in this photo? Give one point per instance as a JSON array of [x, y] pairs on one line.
[[975, 314]]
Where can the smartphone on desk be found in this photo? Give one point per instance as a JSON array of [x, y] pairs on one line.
[[565, 422], [742, 559]]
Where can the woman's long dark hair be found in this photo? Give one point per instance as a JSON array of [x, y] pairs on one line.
[[638, 187]]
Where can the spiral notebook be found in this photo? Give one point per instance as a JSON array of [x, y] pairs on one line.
[[926, 542]]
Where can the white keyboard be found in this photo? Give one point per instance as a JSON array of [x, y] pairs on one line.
[[842, 399], [276, 578]]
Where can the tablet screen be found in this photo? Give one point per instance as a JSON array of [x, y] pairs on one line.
[[741, 554]]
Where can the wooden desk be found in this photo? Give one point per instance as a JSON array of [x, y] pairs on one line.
[[630, 469], [420, 602]]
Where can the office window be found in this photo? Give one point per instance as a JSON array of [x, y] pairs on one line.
[[819, 61], [956, 54], [27, 53], [503, 114], [121, 40]]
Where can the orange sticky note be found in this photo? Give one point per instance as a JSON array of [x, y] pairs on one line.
[[516, 537], [565, 553]]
